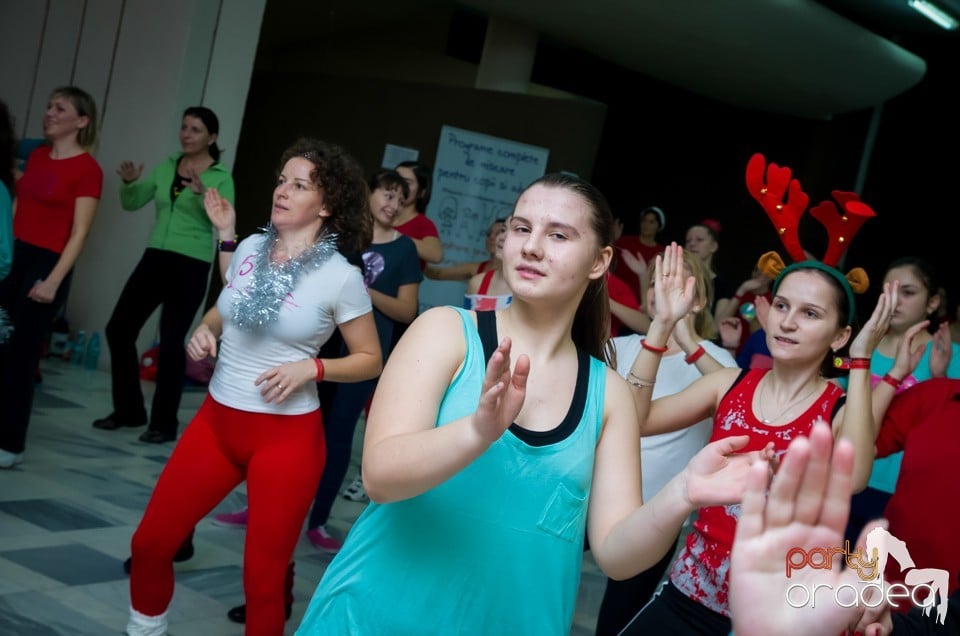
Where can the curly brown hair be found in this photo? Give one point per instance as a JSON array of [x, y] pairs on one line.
[[345, 191]]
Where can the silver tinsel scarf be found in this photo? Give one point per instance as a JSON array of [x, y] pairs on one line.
[[259, 303]]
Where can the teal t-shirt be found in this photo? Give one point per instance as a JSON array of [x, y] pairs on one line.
[[495, 549]]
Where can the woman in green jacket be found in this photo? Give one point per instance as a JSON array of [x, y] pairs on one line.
[[173, 272]]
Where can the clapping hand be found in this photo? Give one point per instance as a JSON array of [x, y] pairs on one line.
[[502, 394], [673, 288], [941, 352], [717, 475], [909, 352], [635, 262], [806, 508], [129, 172], [731, 332], [878, 324], [219, 211], [194, 182]]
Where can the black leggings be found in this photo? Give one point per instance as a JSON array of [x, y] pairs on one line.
[[623, 599], [672, 612], [20, 354], [178, 283]]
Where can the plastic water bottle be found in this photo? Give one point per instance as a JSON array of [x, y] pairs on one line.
[[92, 356], [79, 346]]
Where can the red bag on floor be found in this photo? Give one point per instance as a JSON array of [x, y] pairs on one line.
[[148, 363]]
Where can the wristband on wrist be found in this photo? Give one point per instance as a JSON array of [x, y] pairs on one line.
[[227, 246], [892, 381], [651, 348], [320, 369], [851, 363], [695, 355]]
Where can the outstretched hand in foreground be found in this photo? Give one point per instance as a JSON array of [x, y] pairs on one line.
[[807, 507]]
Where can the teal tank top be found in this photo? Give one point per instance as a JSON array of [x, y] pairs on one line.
[[495, 549]]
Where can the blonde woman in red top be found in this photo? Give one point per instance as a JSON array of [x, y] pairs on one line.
[[56, 200]]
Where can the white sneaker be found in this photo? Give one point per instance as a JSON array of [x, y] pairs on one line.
[[355, 491], [143, 625], [9, 460]]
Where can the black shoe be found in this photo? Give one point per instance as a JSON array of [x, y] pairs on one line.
[[151, 436], [184, 553], [112, 422], [238, 614]]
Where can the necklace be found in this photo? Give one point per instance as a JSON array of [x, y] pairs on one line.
[[790, 405]]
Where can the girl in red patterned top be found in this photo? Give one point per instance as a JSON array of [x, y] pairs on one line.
[[809, 322]]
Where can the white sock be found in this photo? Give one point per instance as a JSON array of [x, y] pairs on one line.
[[143, 625]]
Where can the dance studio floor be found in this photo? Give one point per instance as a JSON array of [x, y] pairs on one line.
[[68, 511]]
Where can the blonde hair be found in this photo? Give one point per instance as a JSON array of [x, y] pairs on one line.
[[704, 324], [85, 106]]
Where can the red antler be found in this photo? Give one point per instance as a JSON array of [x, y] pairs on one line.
[[841, 228], [770, 195]]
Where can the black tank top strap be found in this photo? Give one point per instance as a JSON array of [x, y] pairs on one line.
[[487, 327]]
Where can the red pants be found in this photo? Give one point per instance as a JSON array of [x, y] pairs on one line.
[[280, 456]]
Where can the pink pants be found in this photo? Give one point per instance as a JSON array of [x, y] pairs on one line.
[[280, 456]]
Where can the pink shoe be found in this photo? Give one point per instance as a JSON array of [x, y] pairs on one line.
[[236, 519], [323, 540]]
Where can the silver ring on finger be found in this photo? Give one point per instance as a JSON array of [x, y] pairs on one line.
[[280, 386]]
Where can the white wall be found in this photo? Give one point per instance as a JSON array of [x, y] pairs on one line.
[[144, 62]]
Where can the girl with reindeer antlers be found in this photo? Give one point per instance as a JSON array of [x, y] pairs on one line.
[[809, 325]]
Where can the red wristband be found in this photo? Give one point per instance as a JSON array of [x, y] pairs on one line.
[[651, 348], [320, 369], [851, 363], [892, 381], [696, 355]]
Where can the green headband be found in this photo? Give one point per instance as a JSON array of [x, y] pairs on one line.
[[823, 267]]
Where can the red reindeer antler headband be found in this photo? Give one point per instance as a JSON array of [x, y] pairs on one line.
[[768, 184]]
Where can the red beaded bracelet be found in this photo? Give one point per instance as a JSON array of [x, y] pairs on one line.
[[892, 381], [695, 355], [320, 369], [651, 348]]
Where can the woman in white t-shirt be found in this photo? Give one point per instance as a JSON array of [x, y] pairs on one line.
[[689, 355], [287, 289]]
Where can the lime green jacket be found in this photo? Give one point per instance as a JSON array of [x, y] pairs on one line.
[[182, 225]]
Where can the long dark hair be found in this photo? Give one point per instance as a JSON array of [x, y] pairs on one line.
[[591, 323], [345, 191], [7, 148]]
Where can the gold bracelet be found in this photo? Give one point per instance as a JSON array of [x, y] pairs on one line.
[[638, 382]]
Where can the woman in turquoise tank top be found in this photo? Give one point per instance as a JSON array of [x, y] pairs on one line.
[[492, 434]]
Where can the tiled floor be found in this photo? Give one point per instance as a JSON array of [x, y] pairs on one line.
[[67, 514]]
